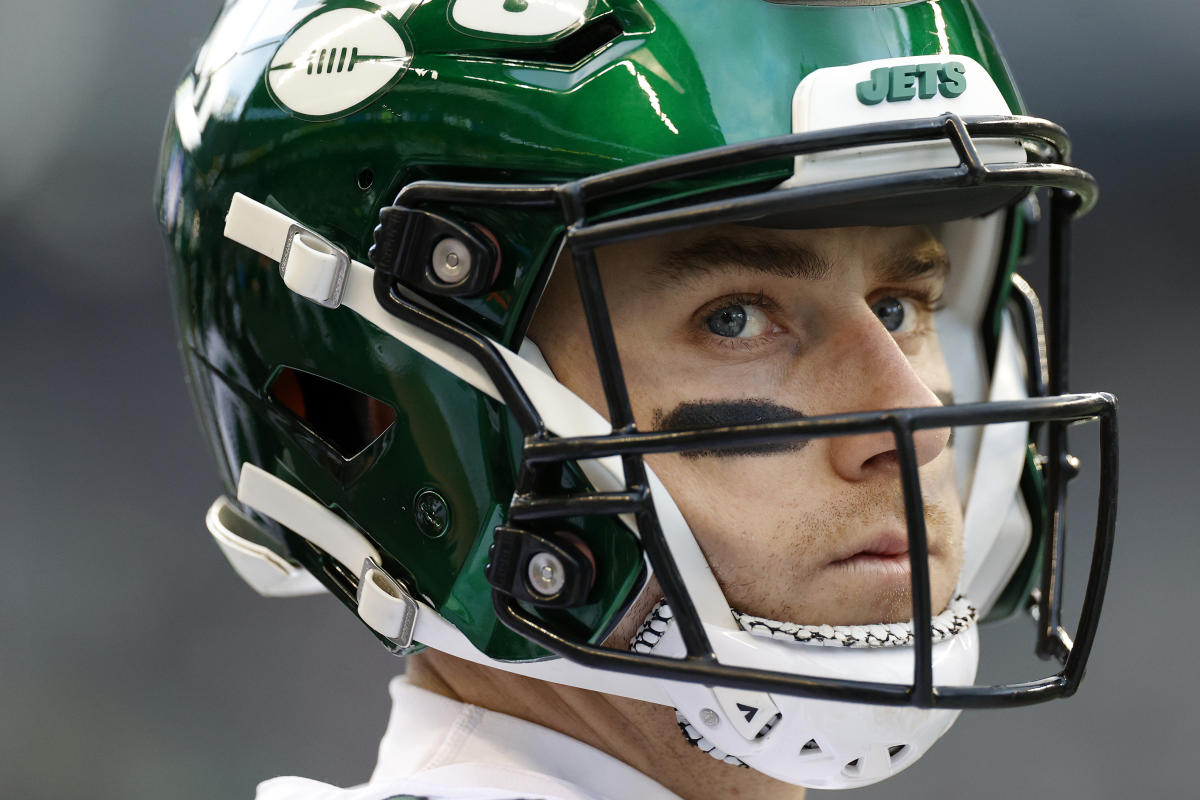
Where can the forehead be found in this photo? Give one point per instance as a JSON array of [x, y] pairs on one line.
[[901, 253]]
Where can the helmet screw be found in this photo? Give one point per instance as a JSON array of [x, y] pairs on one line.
[[709, 717], [451, 261], [431, 513], [546, 574], [1071, 466]]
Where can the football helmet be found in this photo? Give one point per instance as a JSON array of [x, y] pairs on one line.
[[364, 201]]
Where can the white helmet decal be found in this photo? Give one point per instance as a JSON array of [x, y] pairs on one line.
[[337, 62]]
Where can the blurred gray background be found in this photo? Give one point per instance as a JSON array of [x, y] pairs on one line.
[[134, 664]]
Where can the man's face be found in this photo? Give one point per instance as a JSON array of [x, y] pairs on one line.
[[731, 325]]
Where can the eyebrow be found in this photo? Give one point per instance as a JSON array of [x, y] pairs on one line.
[[786, 260], [716, 253], [927, 260]]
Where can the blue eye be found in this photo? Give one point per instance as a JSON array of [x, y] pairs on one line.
[[729, 321], [898, 315], [739, 321]]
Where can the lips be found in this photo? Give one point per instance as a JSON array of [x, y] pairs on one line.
[[880, 561], [889, 546]]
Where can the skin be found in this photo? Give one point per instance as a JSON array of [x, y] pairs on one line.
[[737, 324]]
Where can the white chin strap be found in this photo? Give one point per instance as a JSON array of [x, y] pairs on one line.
[[817, 743], [385, 605]]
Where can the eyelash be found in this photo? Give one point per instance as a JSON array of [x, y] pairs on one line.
[[759, 300], [924, 296], [929, 301], [927, 298]]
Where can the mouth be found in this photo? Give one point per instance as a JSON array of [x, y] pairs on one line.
[[884, 556]]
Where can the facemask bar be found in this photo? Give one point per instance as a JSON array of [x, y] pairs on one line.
[[902, 424], [1073, 192]]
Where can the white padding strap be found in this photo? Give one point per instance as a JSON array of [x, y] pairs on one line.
[[268, 232], [294, 509], [381, 603], [258, 227], [991, 519], [269, 572]]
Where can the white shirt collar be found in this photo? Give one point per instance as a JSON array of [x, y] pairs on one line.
[[453, 744]]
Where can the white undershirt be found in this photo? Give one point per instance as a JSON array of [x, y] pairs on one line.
[[440, 748]]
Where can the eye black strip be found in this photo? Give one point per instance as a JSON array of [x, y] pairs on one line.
[[725, 413]]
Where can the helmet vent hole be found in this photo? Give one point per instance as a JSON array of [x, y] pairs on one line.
[[366, 179], [346, 420], [810, 749], [852, 769], [898, 752], [771, 723]]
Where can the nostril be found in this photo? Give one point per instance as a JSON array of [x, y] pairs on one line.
[[882, 462]]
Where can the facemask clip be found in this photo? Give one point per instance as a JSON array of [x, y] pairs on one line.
[[555, 571], [432, 254]]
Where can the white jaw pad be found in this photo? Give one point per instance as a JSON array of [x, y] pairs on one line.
[[989, 459], [815, 743]]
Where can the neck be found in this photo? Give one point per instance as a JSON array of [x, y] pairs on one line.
[[643, 735]]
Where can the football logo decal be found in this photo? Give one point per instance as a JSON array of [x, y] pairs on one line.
[[336, 63]]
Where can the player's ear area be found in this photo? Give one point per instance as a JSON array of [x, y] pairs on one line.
[[559, 325], [559, 329], [559, 303]]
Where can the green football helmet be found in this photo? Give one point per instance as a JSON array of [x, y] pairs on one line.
[[364, 202]]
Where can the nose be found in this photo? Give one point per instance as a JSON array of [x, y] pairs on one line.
[[874, 374]]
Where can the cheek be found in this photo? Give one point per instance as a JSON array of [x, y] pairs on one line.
[[735, 485], [930, 365], [743, 507], [749, 518]]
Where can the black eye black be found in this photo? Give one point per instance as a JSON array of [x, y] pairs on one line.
[[890, 312], [729, 321]]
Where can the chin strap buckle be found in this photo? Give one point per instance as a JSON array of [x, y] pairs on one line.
[[311, 265], [314, 267], [382, 603], [385, 605]]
